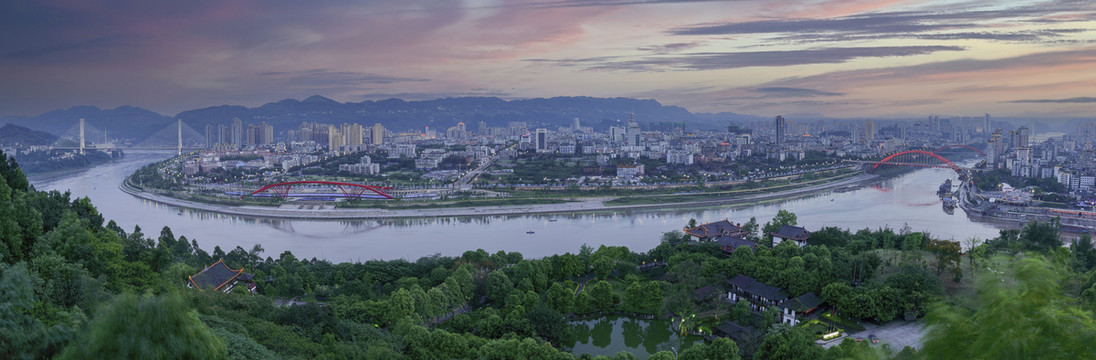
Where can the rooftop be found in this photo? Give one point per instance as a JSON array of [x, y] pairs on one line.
[[752, 286], [214, 276]]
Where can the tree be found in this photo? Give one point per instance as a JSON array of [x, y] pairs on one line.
[[146, 327], [788, 343], [1041, 236], [948, 255], [549, 324], [603, 266], [498, 286], [633, 297], [601, 296], [560, 299], [400, 305], [719, 349], [24, 336], [751, 228], [1020, 313], [783, 217], [1082, 254]]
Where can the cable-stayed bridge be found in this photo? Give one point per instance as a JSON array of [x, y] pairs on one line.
[[84, 135]]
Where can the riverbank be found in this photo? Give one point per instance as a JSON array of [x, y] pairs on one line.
[[977, 207], [595, 204]]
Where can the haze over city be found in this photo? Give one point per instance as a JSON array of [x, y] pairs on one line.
[[838, 58]]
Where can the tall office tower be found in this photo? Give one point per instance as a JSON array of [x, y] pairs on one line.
[[781, 126], [542, 140], [869, 130], [616, 134], [986, 125], [634, 134], [1023, 136], [210, 135], [482, 128], [377, 136], [223, 134], [354, 134], [462, 130], [576, 125], [254, 135], [237, 133], [266, 133]]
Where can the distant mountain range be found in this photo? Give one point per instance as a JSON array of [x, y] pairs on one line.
[[142, 126], [398, 115]]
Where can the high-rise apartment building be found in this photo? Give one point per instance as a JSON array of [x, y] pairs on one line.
[[237, 133], [354, 134], [869, 130], [634, 134], [377, 135], [781, 126], [542, 140]]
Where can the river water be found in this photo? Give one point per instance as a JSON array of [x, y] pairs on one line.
[[908, 199]]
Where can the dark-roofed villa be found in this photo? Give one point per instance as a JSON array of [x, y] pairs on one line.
[[729, 243], [218, 277], [712, 230], [800, 306], [760, 295], [792, 233]]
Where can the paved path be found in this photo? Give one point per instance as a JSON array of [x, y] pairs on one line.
[[898, 334]]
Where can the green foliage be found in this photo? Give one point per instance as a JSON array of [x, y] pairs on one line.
[[719, 349], [602, 297], [147, 327], [788, 343], [947, 253], [1019, 314], [498, 286], [24, 336]]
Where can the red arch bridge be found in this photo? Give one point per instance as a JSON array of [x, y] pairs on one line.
[[348, 190], [916, 158]]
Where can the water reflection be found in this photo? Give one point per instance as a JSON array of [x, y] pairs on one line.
[[610, 335]]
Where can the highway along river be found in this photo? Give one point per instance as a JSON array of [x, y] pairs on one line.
[[908, 199]]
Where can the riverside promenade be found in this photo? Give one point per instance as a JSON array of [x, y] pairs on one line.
[[592, 204]]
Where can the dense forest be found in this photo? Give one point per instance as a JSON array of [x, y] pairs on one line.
[[75, 285]]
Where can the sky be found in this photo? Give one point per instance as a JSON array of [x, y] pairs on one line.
[[840, 58]]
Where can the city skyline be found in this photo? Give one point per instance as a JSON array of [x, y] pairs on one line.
[[882, 58]]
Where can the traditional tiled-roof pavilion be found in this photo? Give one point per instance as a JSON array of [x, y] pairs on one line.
[[218, 277], [716, 229]]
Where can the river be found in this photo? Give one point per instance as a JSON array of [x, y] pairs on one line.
[[908, 199]]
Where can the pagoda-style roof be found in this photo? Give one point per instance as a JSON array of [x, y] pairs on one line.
[[803, 304], [714, 229], [215, 276], [789, 232], [754, 287], [730, 243], [736, 331]]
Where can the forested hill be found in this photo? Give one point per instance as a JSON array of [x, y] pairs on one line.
[[75, 286], [18, 135]]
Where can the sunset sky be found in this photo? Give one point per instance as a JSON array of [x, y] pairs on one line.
[[841, 58]]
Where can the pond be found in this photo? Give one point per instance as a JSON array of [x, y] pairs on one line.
[[611, 335]]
